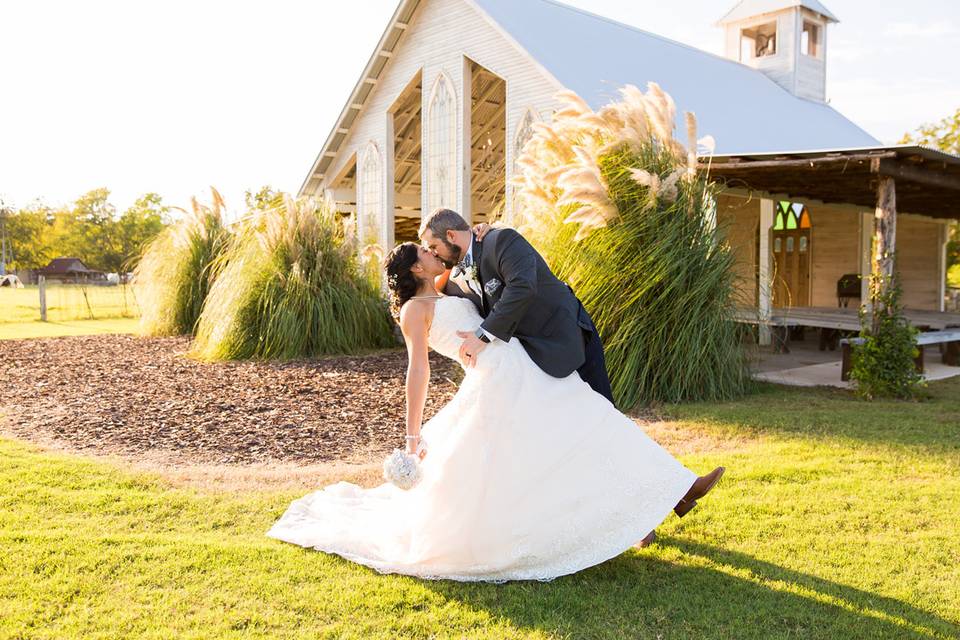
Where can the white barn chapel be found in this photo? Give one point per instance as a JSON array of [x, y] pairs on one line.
[[447, 101]]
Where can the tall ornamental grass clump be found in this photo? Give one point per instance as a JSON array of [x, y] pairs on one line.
[[291, 287], [618, 208], [177, 269]]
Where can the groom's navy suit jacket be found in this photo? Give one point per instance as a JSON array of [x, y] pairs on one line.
[[523, 299]]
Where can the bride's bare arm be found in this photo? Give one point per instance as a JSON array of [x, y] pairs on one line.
[[414, 323]]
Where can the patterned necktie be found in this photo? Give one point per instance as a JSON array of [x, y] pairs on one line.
[[462, 266]]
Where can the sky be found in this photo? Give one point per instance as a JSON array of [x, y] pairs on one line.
[[176, 96]]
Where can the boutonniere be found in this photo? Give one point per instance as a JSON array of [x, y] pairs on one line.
[[469, 273]]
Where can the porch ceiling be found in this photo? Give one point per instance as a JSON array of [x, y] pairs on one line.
[[927, 180]]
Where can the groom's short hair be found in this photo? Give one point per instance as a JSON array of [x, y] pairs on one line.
[[441, 221]]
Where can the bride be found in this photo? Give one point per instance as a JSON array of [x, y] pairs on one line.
[[524, 476]]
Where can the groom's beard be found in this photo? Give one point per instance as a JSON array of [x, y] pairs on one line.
[[455, 254]]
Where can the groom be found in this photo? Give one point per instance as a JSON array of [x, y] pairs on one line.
[[518, 296]]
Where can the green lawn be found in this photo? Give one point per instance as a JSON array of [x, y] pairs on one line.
[[68, 302], [837, 519], [37, 329]]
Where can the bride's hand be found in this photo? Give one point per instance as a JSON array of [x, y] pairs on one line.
[[420, 450], [481, 230]]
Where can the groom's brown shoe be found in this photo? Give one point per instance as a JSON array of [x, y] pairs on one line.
[[701, 487]]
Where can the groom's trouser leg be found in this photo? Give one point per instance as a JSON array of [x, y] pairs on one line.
[[594, 370]]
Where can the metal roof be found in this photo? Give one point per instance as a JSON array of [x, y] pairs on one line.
[[594, 56], [740, 107]]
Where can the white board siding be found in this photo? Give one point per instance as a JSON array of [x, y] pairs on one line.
[[441, 35], [918, 261], [738, 218], [834, 250]]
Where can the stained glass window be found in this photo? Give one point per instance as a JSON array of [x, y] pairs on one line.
[[790, 216], [442, 146]]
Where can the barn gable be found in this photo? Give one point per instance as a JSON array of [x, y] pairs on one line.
[[451, 92], [432, 49]]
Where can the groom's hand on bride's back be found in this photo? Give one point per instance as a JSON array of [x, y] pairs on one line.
[[471, 348]]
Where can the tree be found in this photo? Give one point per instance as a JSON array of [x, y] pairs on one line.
[[138, 225], [88, 232], [943, 135], [266, 198], [29, 234]]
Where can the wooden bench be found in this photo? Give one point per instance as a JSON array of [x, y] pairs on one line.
[[949, 338]]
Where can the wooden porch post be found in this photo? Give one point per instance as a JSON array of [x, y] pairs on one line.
[[885, 240], [942, 271], [866, 257], [466, 136], [390, 186], [764, 293]]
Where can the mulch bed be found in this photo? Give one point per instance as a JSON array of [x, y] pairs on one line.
[[132, 395]]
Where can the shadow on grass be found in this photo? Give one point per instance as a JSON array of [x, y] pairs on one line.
[[635, 595], [929, 423]]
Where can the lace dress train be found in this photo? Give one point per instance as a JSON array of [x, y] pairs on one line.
[[527, 477]]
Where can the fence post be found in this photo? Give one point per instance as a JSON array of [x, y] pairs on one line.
[[42, 281]]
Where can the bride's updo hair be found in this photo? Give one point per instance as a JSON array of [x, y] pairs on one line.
[[403, 284]]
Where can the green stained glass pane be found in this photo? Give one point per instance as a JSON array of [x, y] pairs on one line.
[[778, 225], [791, 221]]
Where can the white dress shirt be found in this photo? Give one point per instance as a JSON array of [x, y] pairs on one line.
[[475, 285]]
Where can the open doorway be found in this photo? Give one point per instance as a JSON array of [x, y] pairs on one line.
[[407, 150], [343, 192], [488, 141]]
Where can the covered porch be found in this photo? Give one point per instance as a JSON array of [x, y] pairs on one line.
[[808, 230]]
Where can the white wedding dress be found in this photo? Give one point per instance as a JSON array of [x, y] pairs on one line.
[[527, 477]]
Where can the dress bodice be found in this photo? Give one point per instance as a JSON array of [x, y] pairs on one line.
[[451, 314]]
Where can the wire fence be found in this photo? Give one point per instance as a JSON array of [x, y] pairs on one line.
[[69, 302]]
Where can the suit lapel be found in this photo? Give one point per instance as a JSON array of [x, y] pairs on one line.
[[478, 261]]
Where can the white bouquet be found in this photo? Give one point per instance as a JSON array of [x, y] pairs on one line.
[[402, 469]]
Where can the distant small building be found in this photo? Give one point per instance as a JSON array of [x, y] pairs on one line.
[[70, 270]]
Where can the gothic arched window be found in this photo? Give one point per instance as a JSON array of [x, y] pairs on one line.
[[524, 133], [442, 146], [371, 196], [791, 215]]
